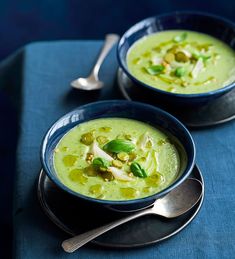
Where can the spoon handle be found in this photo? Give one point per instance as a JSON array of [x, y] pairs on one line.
[[110, 40], [72, 244]]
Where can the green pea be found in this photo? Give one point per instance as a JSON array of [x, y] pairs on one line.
[[102, 139], [123, 156], [117, 163], [132, 156], [181, 57]]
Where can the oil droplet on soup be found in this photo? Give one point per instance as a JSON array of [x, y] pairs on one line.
[[129, 192], [96, 189], [76, 175], [69, 160]]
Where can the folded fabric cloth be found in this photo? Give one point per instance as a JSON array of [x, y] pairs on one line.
[[43, 93]]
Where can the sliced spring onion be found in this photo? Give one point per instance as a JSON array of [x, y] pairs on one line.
[[180, 71], [180, 38], [201, 56], [155, 70]]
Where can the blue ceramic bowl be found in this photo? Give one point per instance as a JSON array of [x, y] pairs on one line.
[[195, 21], [124, 109]]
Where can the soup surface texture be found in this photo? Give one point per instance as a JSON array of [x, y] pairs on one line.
[[116, 159], [185, 62]]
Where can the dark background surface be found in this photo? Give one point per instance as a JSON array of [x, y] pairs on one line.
[[25, 21]]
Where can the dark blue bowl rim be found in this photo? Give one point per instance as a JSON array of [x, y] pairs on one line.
[[197, 13], [190, 163]]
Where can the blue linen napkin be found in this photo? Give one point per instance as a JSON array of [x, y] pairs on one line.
[[44, 94]]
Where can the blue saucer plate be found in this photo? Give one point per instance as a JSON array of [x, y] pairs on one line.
[[216, 112], [147, 230]]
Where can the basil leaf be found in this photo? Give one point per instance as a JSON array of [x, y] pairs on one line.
[[119, 145], [180, 71], [100, 163], [137, 170], [155, 70], [180, 38]]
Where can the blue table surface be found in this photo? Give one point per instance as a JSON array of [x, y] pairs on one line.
[[40, 90]]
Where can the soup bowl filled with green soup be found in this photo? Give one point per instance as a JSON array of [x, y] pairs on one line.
[[185, 58], [118, 154]]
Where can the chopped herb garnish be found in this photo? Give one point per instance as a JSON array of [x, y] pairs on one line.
[[180, 38], [199, 55], [155, 70], [137, 170], [180, 71]]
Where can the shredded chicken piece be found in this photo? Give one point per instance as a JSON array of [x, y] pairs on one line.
[[143, 140], [197, 68], [98, 152], [119, 174]]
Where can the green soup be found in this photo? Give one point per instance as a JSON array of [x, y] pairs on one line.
[[118, 159], [185, 62]]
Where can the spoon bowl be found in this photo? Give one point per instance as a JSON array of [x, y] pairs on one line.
[[89, 83], [180, 200], [175, 203], [92, 82]]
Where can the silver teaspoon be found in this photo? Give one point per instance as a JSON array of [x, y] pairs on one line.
[[92, 82], [174, 204]]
